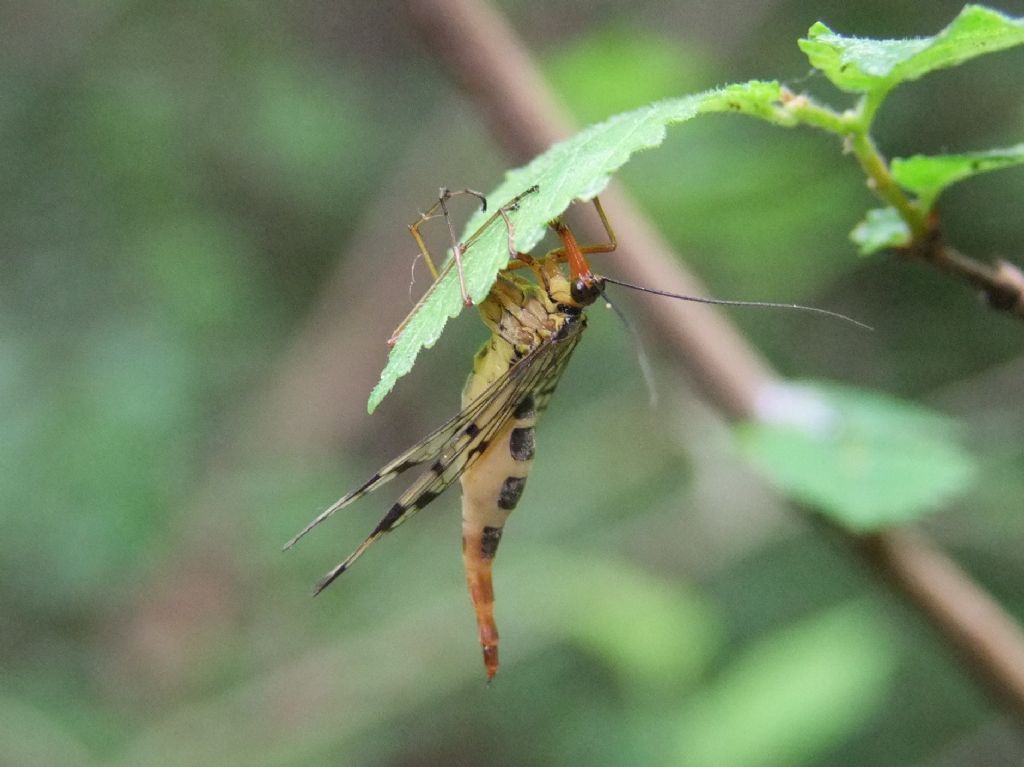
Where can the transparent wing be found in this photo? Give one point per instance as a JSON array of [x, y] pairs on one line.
[[458, 429], [472, 431]]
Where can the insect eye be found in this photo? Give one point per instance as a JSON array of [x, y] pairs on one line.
[[585, 289]]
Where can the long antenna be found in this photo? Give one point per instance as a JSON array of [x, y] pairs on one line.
[[641, 353], [726, 302]]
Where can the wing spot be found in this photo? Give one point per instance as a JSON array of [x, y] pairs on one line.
[[392, 518], [479, 447], [424, 498]]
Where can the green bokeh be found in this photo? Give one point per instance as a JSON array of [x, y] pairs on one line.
[[197, 194]]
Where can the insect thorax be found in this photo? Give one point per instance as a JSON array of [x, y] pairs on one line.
[[520, 315]]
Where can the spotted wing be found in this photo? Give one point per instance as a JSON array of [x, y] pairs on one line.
[[457, 431], [470, 432]]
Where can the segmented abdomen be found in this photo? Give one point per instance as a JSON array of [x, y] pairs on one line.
[[491, 488]]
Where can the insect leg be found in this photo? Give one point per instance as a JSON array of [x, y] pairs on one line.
[[457, 248], [612, 243], [443, 196], [571, 251], [503, 212]]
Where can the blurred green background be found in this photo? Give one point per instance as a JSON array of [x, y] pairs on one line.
[[204, 248]]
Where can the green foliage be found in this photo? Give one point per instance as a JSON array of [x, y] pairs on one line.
[[184, 185], [619, 69], [580, 167], [41, 739], [861, 65], [679, 634], [927, 177], [873, 68], [881, 228], [575, 169], [792, 696], [865, 459]]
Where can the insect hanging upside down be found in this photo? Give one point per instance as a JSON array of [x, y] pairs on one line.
[[535, 326]]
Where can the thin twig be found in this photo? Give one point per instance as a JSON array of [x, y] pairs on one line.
[[485, 57], [967, 616], [1002, 283]]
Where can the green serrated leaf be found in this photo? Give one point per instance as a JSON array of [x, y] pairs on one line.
[[881, 228], [927, 177], [865, 459], [862, 65], [575, 169]]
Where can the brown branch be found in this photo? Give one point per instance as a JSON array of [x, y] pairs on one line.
[[487, 60], [1002, 284], [967, 617]]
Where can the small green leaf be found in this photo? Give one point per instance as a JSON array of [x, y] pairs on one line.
[[881, 228], [861, 65], [575, 169], [865, 459], [928, 176], [679, 632], [794, 695]]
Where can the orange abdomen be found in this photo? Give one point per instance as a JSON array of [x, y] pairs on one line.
[[491, 488]]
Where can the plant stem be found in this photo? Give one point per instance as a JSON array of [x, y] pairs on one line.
[[855, 126], [485, 56], [807, 111], [881, 182]]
